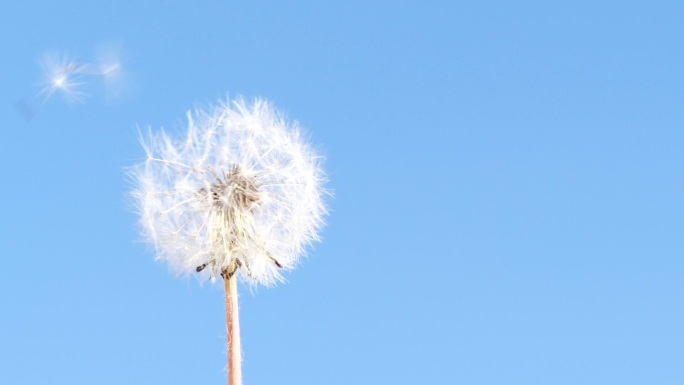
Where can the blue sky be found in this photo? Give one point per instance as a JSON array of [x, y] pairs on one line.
[[508, 182]]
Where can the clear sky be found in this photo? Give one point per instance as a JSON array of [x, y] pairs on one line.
[[508, 180]]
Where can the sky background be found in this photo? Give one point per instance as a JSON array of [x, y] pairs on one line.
[[508, 192]]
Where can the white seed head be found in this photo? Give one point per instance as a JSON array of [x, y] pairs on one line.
[[241, 193]]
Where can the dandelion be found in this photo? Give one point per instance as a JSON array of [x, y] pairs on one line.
[[241, 195]]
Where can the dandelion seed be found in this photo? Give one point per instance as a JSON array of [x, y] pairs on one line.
[[69, 78], [111, 69], [62, 75], [240, 195]]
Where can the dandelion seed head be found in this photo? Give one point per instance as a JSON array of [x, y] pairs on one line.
[[241, 192]]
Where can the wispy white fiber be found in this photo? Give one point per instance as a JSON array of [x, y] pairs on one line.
[[74, 80], [63, 74], [241, 192]]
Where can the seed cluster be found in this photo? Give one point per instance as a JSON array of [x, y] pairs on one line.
[[233, 197], [238, 190]]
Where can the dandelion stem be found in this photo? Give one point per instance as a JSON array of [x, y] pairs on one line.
[[233, 325]]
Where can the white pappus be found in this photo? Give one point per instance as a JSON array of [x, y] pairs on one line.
[[242, 192]]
